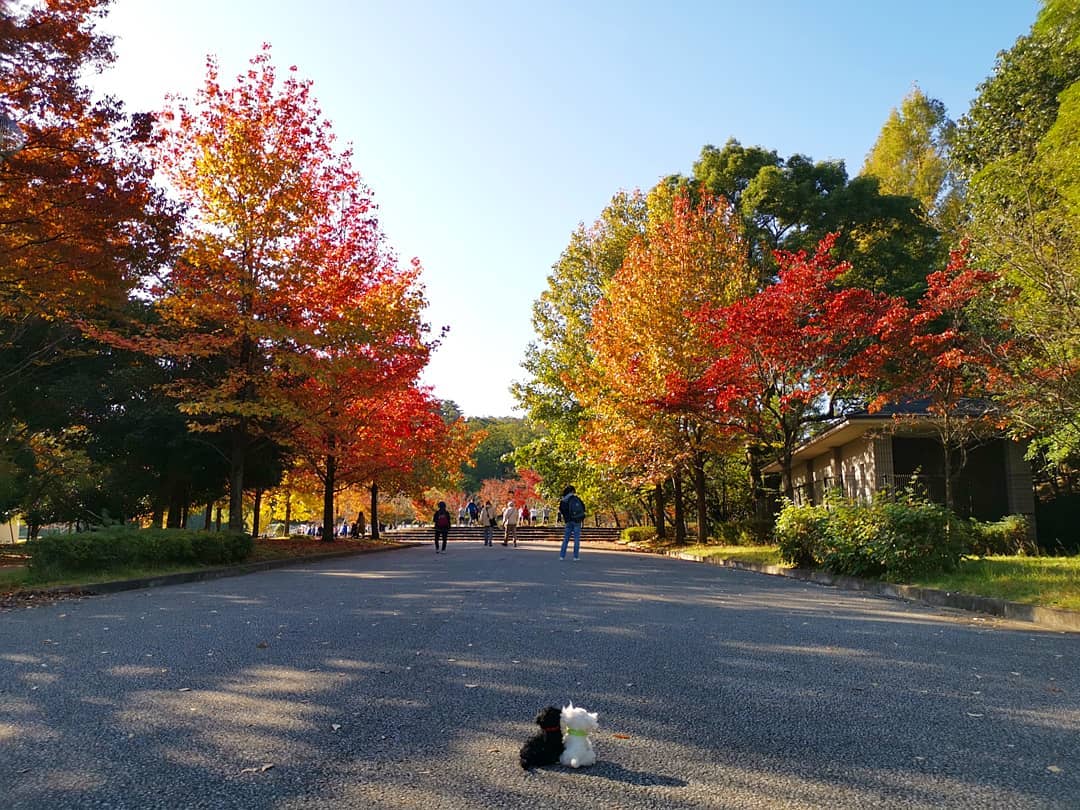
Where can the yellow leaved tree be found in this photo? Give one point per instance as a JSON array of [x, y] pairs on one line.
[[692, 253]]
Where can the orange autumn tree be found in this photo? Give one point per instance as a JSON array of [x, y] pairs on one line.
[[691, 255], [79, 218], [255, 167]]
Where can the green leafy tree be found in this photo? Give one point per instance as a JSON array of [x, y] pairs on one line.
[[493, 456], [792, 204], [1016, 148], [911, 157]]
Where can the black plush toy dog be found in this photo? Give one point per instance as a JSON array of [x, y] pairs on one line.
[[544, 747]]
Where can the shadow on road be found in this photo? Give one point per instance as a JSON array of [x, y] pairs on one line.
[[410, 679]]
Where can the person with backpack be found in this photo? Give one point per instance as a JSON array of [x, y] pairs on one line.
[[473, 511], [572, 511], [488, 519], [442, 521]]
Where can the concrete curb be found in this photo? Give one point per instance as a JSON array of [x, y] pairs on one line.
[[206, 574], [1050, 618]]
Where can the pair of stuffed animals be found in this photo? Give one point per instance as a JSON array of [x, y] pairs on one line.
[[563, 738]]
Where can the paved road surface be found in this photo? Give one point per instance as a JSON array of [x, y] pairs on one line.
[[409, 679]]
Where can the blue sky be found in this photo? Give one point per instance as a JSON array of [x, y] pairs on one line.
[[489, 130]]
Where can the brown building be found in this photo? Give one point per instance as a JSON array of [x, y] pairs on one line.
[[868, 453]]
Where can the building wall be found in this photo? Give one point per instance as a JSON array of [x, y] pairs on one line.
[[850, 468], [866, 465], [9, 532], [800, 482], [857, 467]]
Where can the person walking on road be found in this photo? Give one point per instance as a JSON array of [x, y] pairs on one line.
[[510, 521], [572, 511], [488, 519], [442, 521]]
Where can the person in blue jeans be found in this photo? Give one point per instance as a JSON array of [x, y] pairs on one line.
[[572, 510]]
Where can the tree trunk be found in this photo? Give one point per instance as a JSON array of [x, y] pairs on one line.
[[615, 518], [288, 512], [757, 484], [236, 478], [208, 516], [255, 516], [218, 518], [328, 499], [725, 515], [158, 515], [374, 511], [946, 446], [699, 493], [680, 521], [658, 494], [785, 470], [176, 506], [185, 512]]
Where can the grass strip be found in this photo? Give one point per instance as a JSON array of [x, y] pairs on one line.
[[1046, 581], [14, 580]]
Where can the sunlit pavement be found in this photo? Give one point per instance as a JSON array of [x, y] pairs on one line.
[[410, 679]]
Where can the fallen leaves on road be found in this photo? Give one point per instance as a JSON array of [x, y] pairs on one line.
[[257, 768]]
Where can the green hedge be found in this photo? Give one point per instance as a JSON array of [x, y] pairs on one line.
[[1008, 536], [745, 533], [135, 548], [894, 538], [800, 534], [638, 534]]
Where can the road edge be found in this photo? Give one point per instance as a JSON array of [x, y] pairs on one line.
[[1050, 618]]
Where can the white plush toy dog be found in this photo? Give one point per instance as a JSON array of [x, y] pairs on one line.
[[577, 723]]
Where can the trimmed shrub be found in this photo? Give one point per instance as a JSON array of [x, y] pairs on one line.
[[638, 534], [1006, 536], [917, 537], [894, 538], [849, 540], [799, 533], [123, 547]]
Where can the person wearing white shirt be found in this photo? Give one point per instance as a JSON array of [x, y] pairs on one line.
[[510, 523]]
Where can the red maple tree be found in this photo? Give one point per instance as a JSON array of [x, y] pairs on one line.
[[779, 360], [947, 351]]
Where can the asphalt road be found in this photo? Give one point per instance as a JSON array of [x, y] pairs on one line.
[[409, 680]]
